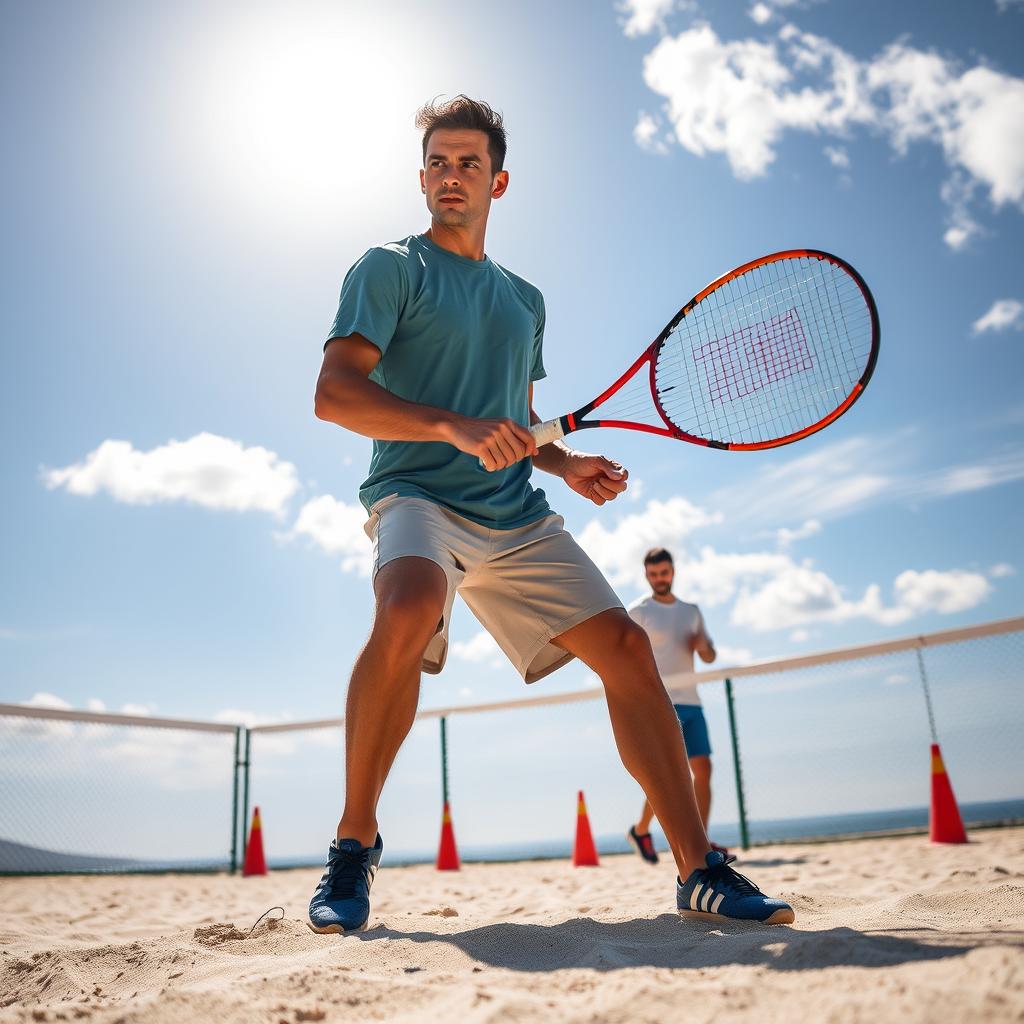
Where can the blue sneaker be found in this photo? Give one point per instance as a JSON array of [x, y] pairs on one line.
[[717, 891], [341, 902]]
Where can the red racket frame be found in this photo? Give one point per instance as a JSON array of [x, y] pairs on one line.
[[575, 420]]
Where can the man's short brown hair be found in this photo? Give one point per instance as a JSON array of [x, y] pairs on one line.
[[656, 555], [462, 112]]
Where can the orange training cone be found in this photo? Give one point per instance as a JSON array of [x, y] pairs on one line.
[[255, 862], [447, 851], [584, 853], [946, 824]]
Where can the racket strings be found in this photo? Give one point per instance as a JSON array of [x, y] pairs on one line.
[[768, 354], [632, 403]]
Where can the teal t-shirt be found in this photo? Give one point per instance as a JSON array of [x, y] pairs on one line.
[[458, 334]]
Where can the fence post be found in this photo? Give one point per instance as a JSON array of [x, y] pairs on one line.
[[245, 792], [927, 695], [234, 800], [740, 801], [444, 760]]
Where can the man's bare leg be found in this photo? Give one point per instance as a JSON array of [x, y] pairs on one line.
[[385, 685], [645, 726], [643, 825], [701, 768]]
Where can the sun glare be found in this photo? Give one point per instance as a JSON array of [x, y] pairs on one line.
[[304, 114]]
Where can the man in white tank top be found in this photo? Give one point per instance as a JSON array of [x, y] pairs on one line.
[[676, 630]]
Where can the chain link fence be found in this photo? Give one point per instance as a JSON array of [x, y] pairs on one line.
[[828, 744], [832, 744], [93, 792]]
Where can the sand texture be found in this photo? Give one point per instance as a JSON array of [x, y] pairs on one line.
[[887, 930]]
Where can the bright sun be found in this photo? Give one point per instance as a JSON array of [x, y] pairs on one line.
[[302, 111]]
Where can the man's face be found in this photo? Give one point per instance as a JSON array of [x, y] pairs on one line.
[[457, 178], [660, 576]]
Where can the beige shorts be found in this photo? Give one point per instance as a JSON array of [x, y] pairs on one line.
[[525, 585]]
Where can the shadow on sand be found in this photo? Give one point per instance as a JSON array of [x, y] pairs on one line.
[[666, 941]]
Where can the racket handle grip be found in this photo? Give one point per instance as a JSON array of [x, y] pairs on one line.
[[545, 433]]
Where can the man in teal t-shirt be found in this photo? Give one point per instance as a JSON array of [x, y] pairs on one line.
[[433, 354], [454, 333]]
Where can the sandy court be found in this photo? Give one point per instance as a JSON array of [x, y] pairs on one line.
[[887, 930]]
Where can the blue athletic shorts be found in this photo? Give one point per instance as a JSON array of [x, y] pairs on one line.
[[695, 729]]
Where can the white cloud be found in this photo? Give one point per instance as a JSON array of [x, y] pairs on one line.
[[337, 528], [711, 578], [43, 728], [479, 647], [771, 591], [943, 592], [1003, 468], [739, 98], [47, 700], [784, 537], [838, 156], [140, 710], [731, 656], [801, 595], [1001, 570], [957, 236], [764, 10], [619, 550], [643, 16], [645, 134], [1003, 314], [977, 117], [958, 194], [206, 470], [796, 595], [827, 482]]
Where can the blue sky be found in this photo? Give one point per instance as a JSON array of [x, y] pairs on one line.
[[188, 183]]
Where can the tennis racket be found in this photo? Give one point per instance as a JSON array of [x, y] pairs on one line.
[[767, 354]]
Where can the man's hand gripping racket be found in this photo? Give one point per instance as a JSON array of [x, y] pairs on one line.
[[767, 354]]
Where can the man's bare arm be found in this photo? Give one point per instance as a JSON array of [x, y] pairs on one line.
[[346, 396], [705, 648]]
